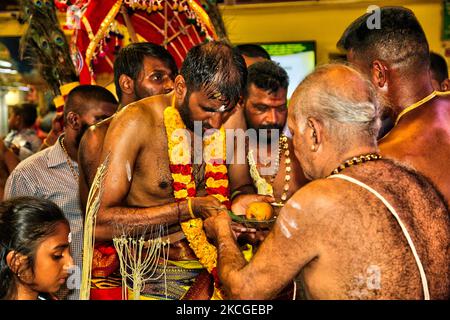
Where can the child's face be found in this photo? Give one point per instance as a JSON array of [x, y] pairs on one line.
[[53, 259]]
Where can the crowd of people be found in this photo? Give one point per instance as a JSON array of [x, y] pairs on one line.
[[358, 214]]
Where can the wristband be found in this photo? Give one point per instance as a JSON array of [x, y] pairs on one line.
[[191, 212], [235, 194]]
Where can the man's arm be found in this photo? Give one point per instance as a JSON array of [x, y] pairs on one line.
[[89, 153], [125, 138], [8, 157], [289, 247], [55, 131]]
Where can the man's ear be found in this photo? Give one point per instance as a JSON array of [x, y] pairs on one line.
[[73, 120], [379, 73], [180, 88], [445, 85], [314, 134], [126, 84]]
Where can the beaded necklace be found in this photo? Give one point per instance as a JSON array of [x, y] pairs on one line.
[[355, 161]]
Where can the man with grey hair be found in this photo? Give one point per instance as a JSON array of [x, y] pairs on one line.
[[358, 231]]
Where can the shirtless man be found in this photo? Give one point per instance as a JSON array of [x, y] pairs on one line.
[[140, 70], [334, 235], [396, 59], [265, 108], [138, 184]]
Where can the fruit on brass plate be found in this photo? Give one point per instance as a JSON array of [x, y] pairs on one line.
[[259, 211]]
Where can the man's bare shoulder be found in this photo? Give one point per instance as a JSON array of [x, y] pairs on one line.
[[149, 109], [320, 199], [425, 130]]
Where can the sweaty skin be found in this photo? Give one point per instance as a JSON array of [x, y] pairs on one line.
[[421, 139], [341, 242], [137, 137], [155, 78]]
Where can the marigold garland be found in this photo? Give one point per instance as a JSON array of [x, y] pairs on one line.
[[214, 155]]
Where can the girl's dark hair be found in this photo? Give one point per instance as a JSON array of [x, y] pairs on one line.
[[24, 223]]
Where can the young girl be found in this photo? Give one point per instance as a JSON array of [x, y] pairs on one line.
[[34, 249]]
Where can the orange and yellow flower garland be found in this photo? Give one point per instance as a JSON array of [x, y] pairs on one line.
[[214, 154]]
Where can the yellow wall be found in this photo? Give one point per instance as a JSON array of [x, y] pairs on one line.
[[323, 22]]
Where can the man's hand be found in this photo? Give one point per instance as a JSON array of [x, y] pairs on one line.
[[57, 129], [57, 123], [207, 206], [213, 224], [250, 235], [242, 201]]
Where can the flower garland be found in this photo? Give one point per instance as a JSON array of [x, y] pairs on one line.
[[214, 151]]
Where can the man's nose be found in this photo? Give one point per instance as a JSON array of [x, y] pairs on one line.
[[272, 117]]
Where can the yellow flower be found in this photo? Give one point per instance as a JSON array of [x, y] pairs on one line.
[[211, 183], [180, 194], [178, 177], [179, 146], [211, 168]]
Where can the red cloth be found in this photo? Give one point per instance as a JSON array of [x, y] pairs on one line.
[[107, 294], [143, 24]]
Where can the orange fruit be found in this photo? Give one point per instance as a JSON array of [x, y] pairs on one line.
[[259, 210]]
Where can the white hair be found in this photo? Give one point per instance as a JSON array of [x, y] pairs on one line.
[[350, 108]]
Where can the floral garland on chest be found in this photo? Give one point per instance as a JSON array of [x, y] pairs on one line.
[[214, 155]]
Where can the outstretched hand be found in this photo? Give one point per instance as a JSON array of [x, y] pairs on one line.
[[213, 224]]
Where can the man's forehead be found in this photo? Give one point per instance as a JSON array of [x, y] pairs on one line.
[[153, 63], [256, 93], [215, 100]]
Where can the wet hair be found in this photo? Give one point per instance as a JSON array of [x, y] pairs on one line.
[[130, 60], [253, 51], [24, 223], [78, 98], [27, 111], [438, 67], [215, 67], [399, 40], [268, 76]]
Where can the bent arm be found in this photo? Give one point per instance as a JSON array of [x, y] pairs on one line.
[[124, 139]]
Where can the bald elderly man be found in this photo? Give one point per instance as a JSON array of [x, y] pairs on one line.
[[360, 229]]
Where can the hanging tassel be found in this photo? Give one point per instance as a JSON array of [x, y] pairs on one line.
[[93, 204]]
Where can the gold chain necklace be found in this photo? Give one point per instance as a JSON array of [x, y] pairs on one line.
[[69, 162], [355, 161], [421, 102]]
